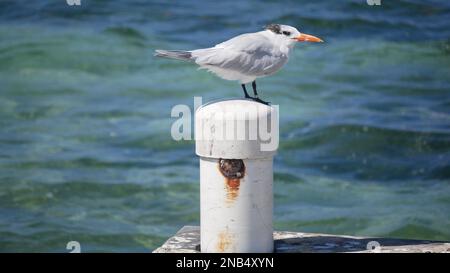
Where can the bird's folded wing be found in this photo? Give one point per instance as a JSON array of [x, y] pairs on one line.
[[249, 54]]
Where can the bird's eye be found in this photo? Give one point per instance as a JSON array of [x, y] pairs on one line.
[[287, 33]]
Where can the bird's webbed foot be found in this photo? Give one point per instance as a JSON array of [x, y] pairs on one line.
[[261, 101]]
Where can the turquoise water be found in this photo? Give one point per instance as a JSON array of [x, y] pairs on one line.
[[85, 146]]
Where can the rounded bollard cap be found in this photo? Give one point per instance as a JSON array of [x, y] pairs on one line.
[[236, 129]]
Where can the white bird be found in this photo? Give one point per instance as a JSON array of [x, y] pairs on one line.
[[246, 57]]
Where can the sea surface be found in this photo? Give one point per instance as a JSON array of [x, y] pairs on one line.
[[85, 115]]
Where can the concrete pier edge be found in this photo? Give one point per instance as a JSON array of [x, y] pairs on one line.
[[187, 240]]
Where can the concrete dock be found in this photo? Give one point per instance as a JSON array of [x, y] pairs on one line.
[[187, 240]]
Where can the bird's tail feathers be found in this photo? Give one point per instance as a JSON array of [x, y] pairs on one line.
[[174, 54]]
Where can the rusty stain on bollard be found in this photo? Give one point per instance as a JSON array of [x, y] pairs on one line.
[[225, 241], [233, 170]]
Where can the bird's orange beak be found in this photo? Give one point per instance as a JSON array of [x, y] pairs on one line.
[[307, 38]]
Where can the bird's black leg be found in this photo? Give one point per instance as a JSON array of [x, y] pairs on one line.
[[256, 94], [254, 89], [245, 92]]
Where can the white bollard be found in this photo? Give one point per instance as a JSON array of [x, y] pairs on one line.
[[236, 141]]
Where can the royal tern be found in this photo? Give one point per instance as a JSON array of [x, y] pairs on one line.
[[246, 57]]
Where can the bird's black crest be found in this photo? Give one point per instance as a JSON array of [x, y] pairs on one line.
[[275, 28]]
